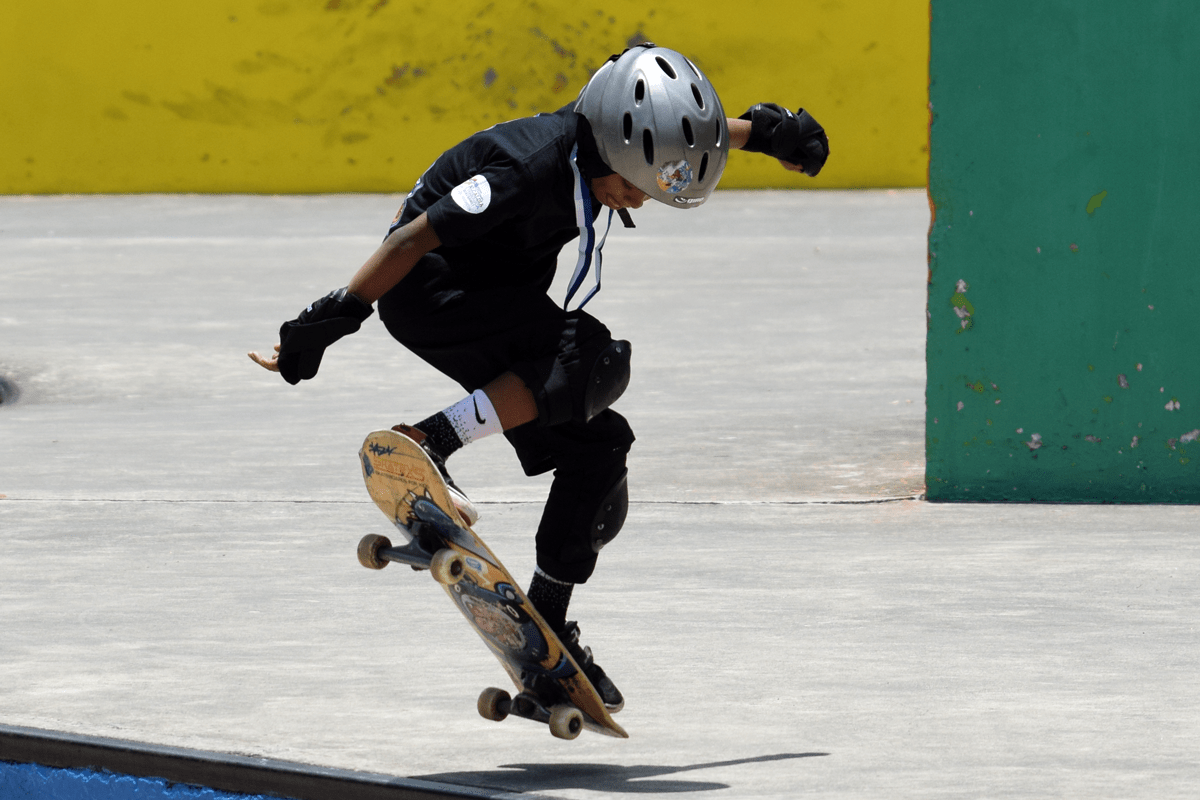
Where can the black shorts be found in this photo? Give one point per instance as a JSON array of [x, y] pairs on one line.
[[474, 335]]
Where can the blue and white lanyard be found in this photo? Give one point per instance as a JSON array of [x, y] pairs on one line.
[[589, 247]]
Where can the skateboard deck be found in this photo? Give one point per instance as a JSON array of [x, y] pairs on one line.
[[409, 489]]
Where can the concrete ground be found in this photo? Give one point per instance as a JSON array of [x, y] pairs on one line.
[[785, 617]]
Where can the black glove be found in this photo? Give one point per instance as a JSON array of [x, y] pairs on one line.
[[795, 138], [303, 340]]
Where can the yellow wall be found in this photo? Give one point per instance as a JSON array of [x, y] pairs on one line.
[[361, 95]]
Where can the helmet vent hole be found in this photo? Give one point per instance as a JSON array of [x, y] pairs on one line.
[[703, 169], [699, 97], [687, 132], [639, 92], [667, 68], [648, 146], [627, 126]]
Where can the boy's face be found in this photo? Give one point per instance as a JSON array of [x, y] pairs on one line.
[[617, 193]]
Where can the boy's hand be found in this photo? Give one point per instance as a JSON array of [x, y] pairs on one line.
[[302, 341], [271, 363], [796, 139]]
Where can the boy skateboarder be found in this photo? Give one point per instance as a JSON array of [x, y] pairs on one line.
[[462, 275]]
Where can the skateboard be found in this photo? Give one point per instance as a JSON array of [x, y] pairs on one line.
[[550, 686]]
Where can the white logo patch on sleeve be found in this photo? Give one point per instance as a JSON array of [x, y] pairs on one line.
[[473, 195]]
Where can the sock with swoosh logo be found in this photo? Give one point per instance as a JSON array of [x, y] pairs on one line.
[[466, 421]]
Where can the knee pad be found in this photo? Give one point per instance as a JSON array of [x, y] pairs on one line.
[[608, 379], [610, 516]]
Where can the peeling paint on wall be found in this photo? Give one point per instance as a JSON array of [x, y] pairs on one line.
[[962, 307], [275, 93], [1059, 287]]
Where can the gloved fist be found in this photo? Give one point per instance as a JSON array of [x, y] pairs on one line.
[[795, 138], [302, 341]]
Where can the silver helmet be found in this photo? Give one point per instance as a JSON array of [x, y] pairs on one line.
[[658, 123]]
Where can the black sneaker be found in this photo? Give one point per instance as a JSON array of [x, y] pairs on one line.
[[461, 502], [613, 701]]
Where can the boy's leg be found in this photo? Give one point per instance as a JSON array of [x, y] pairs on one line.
[[588, 498], [584, 512], [472, 418], [512, 400], [551, 597], [466, 421], [503, 404], [520, 345]]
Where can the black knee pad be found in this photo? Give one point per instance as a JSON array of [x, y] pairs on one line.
[[608, 379], [610, 516]]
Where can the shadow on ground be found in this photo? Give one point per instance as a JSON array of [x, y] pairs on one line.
[[598, 777]]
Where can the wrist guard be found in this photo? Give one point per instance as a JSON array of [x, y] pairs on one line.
[[794, 138], [302, 341]]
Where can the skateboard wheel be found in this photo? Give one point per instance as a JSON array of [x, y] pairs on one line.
[[494, 704], [447, 566], [368, 550], [566, 722]]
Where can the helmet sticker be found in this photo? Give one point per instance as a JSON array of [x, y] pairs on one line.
[[473, 195], [675, 176]]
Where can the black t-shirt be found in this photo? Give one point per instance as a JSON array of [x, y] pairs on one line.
[[502, 202]]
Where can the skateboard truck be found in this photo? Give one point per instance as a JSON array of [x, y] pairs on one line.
[[427, 526], [375, 551], [565, 721]]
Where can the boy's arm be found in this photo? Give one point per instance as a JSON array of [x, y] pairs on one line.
[[394, 259], [341, 312], [739, 132]]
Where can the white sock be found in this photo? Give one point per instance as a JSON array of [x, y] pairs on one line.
[[473, 417]]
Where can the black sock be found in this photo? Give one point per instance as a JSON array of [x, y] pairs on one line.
[[551, 598], [441, 434]]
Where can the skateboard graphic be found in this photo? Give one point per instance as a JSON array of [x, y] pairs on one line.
[[409, 489]]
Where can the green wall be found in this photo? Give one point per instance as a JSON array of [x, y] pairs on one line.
[[1063, 269]]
